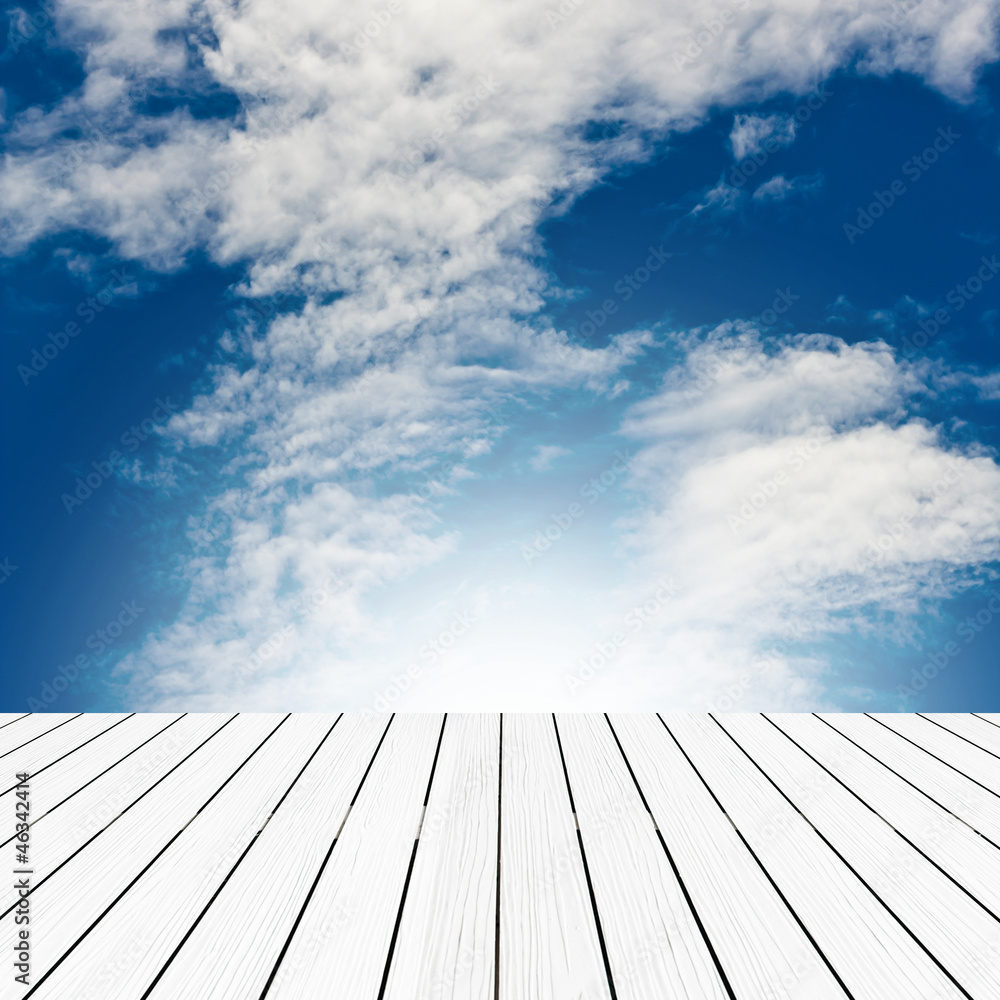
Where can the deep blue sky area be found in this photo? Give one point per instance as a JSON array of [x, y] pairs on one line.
[[860, 140], [75, 571], [932, 239], [76, 567]]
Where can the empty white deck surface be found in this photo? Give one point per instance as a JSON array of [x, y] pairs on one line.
[[513, 857]]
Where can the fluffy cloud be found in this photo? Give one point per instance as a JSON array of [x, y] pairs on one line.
[[791, 497], [389, 164]]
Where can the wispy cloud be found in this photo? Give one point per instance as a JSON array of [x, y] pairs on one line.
[[778, 188], [392, 191], [754, 134]]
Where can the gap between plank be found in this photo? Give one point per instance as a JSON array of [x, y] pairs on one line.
[[67, 860], [849, 866], [322, 867], [150, 864], [586, 867], [239, 861], [409, 870], [760, 864]]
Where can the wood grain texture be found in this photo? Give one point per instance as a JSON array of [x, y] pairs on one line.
[[15, 740], [957, 753], [945, 839], [760, 945], [950, 926], [548, 937], [79, 891], [654, 944], [64, 828], [67, 777], [40, 754], [353, 910], [976, 731], [230, 954], [872, 954], [149, 921], [787, 857], [446, 944], [961, 796]]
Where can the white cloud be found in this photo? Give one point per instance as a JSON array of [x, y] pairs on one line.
[[720, 200], [753, 134], [778, 188], [774, 475], [408, 176], [545, 455]]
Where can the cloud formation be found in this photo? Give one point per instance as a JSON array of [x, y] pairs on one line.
[[389, 167], [753, 133]]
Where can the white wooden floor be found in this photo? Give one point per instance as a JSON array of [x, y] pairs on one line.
[[514, 857]]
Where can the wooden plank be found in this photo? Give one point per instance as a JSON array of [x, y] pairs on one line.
[[79, 890], [231, 952], [71, 774], [957, 753], [949, 925], [655, 947], [99, 803], [958, 794], [44, 751], [17, 738], [447, 935], [354, 908], [764, 951], [548, 937], [976, 731], [874, 957], [10, 717], [946, 840], [158, 908]]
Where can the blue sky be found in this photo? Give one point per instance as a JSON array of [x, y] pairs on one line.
[[668, 383]]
